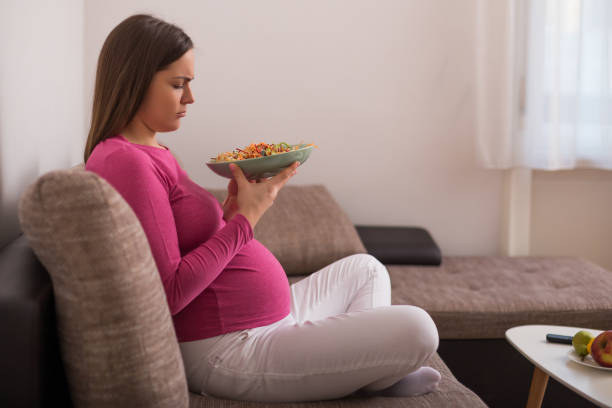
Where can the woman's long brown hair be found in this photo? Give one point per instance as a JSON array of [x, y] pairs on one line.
[[132, 53]]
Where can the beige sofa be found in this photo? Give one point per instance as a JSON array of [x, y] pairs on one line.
[[116, 337]]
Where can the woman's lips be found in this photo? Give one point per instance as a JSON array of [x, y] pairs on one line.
[[181, 114]]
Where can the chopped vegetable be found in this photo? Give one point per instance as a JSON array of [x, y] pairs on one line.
[[255, 150]]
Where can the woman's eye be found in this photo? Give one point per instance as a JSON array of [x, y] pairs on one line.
[[178, 86]]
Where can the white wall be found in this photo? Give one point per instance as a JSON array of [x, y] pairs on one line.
[[571, 214], [337, 73], [41, 96], [385, 89]]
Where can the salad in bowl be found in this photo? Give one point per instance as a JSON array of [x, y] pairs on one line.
[[260, 160]]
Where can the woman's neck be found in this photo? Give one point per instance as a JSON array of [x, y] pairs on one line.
[[137, 132]]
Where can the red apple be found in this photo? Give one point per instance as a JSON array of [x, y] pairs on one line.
[[601, 349]]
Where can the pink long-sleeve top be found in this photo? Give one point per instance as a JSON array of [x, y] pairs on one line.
[[216, 276]]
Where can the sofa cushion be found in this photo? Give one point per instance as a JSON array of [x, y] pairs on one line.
[[480, 297], [305, 229], [450, 393], [115, 331], [400, 245]]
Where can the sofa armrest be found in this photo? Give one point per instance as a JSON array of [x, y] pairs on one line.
[[400, 245]]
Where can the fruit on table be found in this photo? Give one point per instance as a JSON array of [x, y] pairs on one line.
[[581, 340], [601, 349], [589, 345]]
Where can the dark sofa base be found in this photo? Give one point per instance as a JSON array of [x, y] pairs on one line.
[[32, 371], [483, 365]]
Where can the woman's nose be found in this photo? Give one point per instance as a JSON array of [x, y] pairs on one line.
[[188, 97]]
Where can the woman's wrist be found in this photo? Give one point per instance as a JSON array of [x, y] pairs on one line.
[[250, 218]]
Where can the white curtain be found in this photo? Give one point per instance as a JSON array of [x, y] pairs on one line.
[[554, 110]]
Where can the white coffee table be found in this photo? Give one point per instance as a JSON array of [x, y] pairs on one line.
[[550, 359]]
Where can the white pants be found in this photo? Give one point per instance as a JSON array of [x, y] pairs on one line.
[[342, 334]]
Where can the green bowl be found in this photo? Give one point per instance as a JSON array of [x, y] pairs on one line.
[[262, 167]]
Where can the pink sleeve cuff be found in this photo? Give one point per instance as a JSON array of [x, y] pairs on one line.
[[244, 224]]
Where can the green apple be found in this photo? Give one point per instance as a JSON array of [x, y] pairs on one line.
[[580, 342]]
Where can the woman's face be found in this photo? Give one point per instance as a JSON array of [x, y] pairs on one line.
[[168, 96]]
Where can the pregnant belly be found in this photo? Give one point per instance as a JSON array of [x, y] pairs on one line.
[[254, 282]]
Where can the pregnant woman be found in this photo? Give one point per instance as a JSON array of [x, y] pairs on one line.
[[244, 332]]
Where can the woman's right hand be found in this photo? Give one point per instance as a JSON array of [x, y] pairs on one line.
[[253, 199]]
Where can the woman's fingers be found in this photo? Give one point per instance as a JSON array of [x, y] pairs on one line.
[[238, 174], [281, 178], [232, 187]]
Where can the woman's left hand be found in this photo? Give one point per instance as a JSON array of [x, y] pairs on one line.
[[230, 204]]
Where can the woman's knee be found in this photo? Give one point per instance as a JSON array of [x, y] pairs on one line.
[[371, 265], [428, 329], [420, 327]]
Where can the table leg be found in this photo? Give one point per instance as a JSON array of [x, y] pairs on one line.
[[537, 389]]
